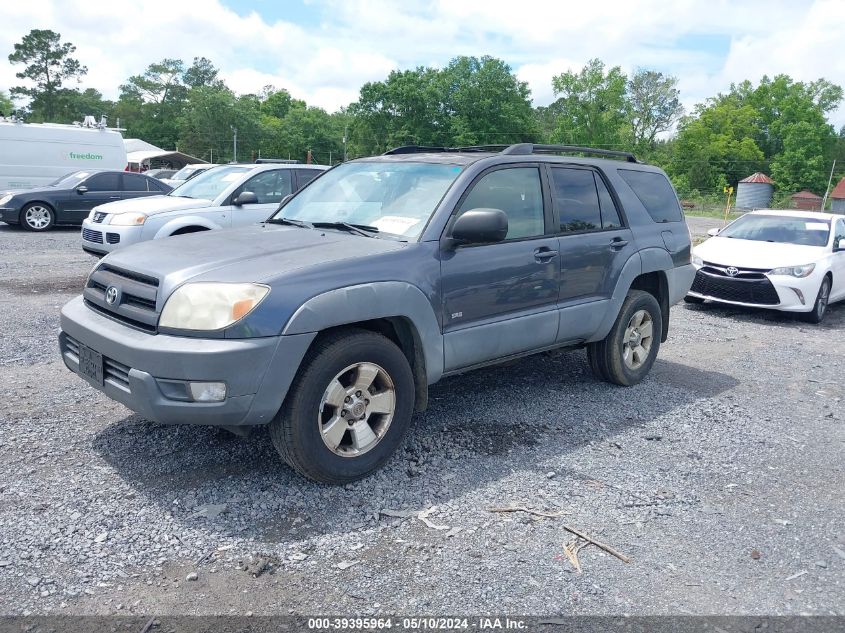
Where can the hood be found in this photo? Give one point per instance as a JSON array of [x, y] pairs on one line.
[[755, 254], [152, 205], [256, 253]]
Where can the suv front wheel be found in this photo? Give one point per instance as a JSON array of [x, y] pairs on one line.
[[348, 409], [627, 353]]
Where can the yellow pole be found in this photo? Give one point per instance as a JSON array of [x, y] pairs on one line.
[[729, 191]]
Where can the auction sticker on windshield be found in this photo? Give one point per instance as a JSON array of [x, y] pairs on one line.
[[395, 224]]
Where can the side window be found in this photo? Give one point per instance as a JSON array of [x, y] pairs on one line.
[[157, 185], [576, 198], [304, 176], [104, 182], [839, 233], [268, 186], [609, 213], [134, 182], [656, 193], [515, 191]]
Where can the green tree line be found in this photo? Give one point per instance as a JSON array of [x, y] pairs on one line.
[[778, 126]]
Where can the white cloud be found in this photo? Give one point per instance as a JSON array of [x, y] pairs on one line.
[[707, 44]]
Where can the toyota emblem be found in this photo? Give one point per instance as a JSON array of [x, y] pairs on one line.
[[733, 271], [111, 295]]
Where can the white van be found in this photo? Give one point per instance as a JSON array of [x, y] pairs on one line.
[[36, 154]]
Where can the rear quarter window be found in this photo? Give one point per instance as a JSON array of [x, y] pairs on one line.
[[655, 192]]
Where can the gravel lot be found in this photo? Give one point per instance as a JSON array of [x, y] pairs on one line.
[[720, 477]]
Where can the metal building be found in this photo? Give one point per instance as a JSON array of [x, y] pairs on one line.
[[754, 192], [806, 201], [837, 198]]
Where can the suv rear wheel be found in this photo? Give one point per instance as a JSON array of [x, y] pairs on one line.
[[627, 353], [348, 408]]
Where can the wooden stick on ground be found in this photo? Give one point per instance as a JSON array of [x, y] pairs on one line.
[[607, 548]]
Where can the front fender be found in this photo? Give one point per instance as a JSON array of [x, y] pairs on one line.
[[370, 301], [170, 227]]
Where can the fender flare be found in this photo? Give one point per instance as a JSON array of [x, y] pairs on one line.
[[377, 300], [632, 269], [180, 223]]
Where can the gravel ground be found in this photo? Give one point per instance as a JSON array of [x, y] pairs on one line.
[[720, 477]]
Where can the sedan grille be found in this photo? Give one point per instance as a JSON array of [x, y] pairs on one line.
[[90, 235], [123, 295], [755, 290]]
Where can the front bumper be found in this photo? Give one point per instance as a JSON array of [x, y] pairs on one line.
[[104, 238], [790, 294], [10, 215], [140, 369]]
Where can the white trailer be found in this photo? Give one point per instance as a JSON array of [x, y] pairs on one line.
[[36, 154]]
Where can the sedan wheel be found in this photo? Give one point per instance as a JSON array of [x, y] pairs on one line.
[[820, 306], [37, 217]]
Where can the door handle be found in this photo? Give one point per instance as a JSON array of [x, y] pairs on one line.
[[544, 254], [617, 243]]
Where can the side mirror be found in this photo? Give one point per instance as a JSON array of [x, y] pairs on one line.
[[479, 226], [81, 189], [840, 245], [284, 201], [713, 232], [245, 197]]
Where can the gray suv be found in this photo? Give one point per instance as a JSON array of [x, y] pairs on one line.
[[329, 321]]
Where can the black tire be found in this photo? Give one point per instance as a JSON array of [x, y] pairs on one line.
[[820, 306], [695, 300], [44, 212], [295, 430], [606, 356]]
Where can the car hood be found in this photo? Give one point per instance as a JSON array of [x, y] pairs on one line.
[[755, 254], [151, 205], [36, 191], [257, 253]]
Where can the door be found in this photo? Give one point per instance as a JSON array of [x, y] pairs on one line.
[[75, 204], [837, 290], [594, 245], [136, 186], [499, 299], [269, 187]]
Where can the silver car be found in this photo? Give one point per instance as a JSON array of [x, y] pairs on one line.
[[222, 197]]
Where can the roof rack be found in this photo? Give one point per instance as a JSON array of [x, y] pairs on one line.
[[519, 149]]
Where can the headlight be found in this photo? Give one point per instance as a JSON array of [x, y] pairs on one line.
[[210, 306], [128, 219], [5, 199], [794, 271], [696, 260]]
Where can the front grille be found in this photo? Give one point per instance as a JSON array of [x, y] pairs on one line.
[[135, 296], [113, 238], [89, 235], [99, 217], [758, 291], [738, 273], [113, 371]]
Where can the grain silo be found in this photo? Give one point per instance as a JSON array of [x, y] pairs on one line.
[[754, 192]]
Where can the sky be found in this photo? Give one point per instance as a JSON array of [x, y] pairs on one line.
[[322, 51]]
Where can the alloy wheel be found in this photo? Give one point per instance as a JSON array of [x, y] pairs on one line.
[[37, 217], [637, 340]]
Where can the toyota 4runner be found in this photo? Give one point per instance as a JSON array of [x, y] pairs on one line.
[[329, 321]]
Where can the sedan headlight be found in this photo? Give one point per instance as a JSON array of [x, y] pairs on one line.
[[794, 271], [210, 306], [128, 219], [5, 199]]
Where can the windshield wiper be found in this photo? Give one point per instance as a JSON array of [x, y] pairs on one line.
[[357, 229], [300, 223]]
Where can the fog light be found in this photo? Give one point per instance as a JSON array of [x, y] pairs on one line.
[[207, 391], [800, 296]]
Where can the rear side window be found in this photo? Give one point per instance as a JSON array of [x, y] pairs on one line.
[[304, 176], [609, 213], [577, 200], [134, 182], [656, 194], [104, 182]]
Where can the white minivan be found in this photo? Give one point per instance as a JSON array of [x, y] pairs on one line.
[[37, 154]]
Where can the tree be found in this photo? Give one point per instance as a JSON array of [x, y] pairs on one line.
[[591, 107], [150, 104], [48, 64], [206, 122], [160, 83], [6, 106], [201, 73], [654, 106]]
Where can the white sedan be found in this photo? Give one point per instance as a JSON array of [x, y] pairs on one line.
[[785, 260]]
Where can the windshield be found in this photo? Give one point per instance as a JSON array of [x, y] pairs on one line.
[[396, 198], [779, 228], [186, 172], [69, 181], [211, 183]]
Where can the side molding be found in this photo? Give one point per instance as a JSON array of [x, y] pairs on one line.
[[370, 301]]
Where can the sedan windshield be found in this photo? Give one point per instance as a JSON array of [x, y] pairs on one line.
[[69, 181], [806, 231], [395, 198], [210, 184]]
